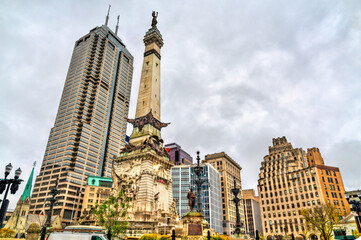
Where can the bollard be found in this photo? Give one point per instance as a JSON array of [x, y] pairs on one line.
[[173, 234], [208, 235]]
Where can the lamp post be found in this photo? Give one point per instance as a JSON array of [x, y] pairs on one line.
[[236, 200], [198, 170], [13, 185], [53, 192], [355, 206]]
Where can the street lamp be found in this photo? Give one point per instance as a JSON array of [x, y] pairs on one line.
[[236, 200], [198, 170], [53, 192], [6, 184], [8, 169]]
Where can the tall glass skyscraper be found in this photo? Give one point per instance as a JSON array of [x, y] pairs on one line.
[[90, 125], [183, 178]]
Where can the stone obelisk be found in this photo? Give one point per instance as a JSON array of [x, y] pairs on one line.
[[143, 167]]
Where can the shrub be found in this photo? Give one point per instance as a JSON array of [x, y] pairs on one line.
[[33, 228], [149, 237], [220, 237], [164, 237], [7, 233]]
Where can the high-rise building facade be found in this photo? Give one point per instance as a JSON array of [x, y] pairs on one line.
[[252, 212], [183, 178], [288, 183], [177, 155], [90, 125], [228, 170]]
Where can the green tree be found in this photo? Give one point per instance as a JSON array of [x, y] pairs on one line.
[[112, 214], [322, 219]]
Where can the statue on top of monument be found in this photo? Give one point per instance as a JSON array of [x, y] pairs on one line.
[[154, 20], [191, 199]]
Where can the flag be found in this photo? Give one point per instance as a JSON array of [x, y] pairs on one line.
[[161, 180]]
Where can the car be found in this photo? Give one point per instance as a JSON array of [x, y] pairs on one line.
[[78, 233]]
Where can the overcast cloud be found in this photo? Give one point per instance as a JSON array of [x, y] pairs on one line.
[[235, 74]]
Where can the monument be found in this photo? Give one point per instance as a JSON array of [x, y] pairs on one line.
[[193, 221], [143, 168], [191, 196]]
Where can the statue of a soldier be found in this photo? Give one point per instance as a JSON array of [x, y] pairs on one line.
[[191, 199]]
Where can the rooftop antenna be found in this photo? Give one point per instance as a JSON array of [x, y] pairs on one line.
[[116, 28], [107, 18]]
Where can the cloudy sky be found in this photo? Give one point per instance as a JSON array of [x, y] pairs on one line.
[[235, 74]]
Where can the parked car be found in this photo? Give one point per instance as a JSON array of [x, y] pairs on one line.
[[78, 233]]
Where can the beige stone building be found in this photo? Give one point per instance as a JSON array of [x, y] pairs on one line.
[[19, 218], [288, 183], [228, 170], [90, 124], [97, 190], [8, 214], [252, 212]]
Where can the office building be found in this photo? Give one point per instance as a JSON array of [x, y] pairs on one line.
[[228, 170], [333, 189], [90, 125], [183, 178], [252, 212], [290, 181], [177, 155], [284, 181], [330, 178], [97, 190]]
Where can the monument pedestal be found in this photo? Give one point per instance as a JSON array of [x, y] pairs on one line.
[[192, 226]]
